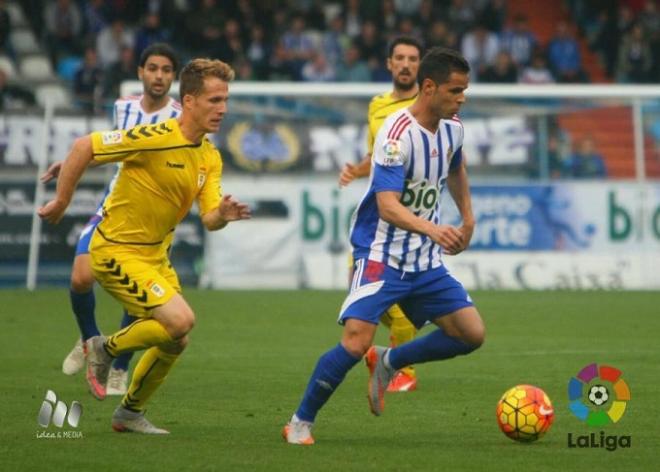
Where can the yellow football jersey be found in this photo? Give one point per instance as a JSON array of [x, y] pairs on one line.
[[380, 107], [161, 174]]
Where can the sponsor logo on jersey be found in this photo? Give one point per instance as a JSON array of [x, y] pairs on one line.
[[422, 196], [111, 137]]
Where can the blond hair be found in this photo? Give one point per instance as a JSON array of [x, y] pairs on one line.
[[191, 79]]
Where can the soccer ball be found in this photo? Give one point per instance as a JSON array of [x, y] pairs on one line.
[[525, 413]]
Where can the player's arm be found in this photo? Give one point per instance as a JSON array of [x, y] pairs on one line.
[[459, 189], [74, 166], [350, 172], [391, 210], [228, 210], [216, 211], [54, 170]]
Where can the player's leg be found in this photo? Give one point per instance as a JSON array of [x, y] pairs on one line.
[[401, 331], [177, 318], [136, 282], [118, 376], [359, 315], [83, 301], [443, 300]]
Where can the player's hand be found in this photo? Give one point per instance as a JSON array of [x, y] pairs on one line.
[[233, 210], [53, 211], [347, 174], [449, 237], [466, 230], [52, 172]]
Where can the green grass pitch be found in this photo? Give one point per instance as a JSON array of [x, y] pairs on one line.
[[250, 356]]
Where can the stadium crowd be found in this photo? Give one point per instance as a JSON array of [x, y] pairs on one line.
[[94, 44]]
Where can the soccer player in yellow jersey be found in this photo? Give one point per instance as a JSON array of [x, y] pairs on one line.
[[403, 62], [165, 167]]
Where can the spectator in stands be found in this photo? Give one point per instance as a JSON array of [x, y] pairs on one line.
[[335, 40], [204, 26], [258, 52], [151, 32], [554, 160], [5, 30], [537, 72], [231, 48], [504, 71], [110, 41], [298, 45], [519, 41], [279, 66], [635, 57], [63, 23], [440, 35], [123, 69], [493, 14], [585, 162], [461, 16], [87, 82], [353, 18], [370, 43], [480, 48], [564, 54], [317, 69], [96, 17], [353, 68], [14, 96]]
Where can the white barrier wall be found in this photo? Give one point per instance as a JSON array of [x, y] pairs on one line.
[[568, 235]]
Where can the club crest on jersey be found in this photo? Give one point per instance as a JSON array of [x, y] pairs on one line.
[[392, 150], [111, 137], [201, 178]]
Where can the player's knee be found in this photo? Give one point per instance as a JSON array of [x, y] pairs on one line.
[[356, 343], [81, 282], [182, 324], [475, 336], [176, 347]]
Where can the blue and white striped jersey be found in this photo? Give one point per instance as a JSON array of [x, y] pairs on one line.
[[409, 159], [128, 113]]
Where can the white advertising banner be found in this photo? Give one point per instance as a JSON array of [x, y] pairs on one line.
[[572, 235]]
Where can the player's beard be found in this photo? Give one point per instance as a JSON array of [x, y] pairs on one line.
[[404, 86], [156, 95]]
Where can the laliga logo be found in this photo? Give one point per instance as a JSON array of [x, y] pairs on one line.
[[598, 397]]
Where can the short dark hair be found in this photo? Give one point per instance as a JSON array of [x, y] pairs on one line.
[[160, 49], [438, 64], [407, 40]]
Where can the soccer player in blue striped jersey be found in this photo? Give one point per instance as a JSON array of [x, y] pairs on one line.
[[157, 70], [398, 242]]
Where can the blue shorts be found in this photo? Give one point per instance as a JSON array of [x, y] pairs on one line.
[[423, 296], [86, 235]]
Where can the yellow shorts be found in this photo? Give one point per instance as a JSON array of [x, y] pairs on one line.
[[141, 278]]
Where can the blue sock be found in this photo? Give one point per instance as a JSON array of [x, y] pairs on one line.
[[83, 305], [433, 347], [122, 361], [329, 372]]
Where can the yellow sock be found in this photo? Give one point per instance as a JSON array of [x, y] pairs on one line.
[[149, 373], [401, 331], [141, 334]]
